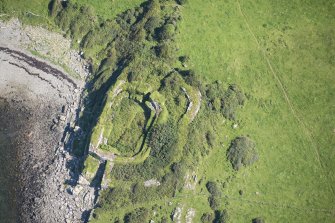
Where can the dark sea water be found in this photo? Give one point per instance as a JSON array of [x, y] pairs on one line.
[[8, 163]]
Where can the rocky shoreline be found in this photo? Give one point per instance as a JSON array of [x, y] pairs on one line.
[[50, 187]]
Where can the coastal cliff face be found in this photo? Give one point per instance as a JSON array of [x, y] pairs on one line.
[[39, 104]]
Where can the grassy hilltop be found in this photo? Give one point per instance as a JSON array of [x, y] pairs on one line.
[[216, 111]]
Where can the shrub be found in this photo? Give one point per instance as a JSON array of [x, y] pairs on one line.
[[214, 202], [164, 220], [225, 101], [114, 198], [215, 198], [165, 51], [207, 218], [191, 78], [217, 104], [210, 138], [221, 217], [132, 76], [242, 152], [213, 188], [138, 193], [152, 24], [232, 99], [4, 6], [162, 140], [169, 185], [129, 16], [76, 21], [214, 90], [91, 166], [184, 59], [117, 220], [139, 215], [237, 91], [146, 170], [54, 7], [178, 170], [181, 2], [258, 220], [167, 32]]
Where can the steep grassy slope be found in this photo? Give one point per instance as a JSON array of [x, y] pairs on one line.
[[282, 54]]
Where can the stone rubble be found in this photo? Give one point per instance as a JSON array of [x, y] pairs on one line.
[[54, 192]]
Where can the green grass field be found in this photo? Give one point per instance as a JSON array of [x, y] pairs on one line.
[[282, 54]]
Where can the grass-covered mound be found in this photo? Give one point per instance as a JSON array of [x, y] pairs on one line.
[[242, 152], [149, 114]]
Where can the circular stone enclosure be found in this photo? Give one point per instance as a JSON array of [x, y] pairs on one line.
[[130, 122]]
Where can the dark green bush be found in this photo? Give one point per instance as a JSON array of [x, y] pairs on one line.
[[139, 193], [242, 152], [114, 198], [214, 90], [166, 51], [152, 24], [54, 7], [181, 2], [191, 78], [169, 185], [258, 220], [167, 32], [76, 20], [207, 218], [132, 76], [214, 202], [184, 59], [148, 169], [225, 101], [139, 215], [213, 188], [162, 141], [129, 16], [221, 217], [215, 198], [178, 170], [164, 220], [232, 99], [211, 138], [3, 6]]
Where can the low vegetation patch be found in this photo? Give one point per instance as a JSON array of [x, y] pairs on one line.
[[215, 195], [242, 152], [91, 166]]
